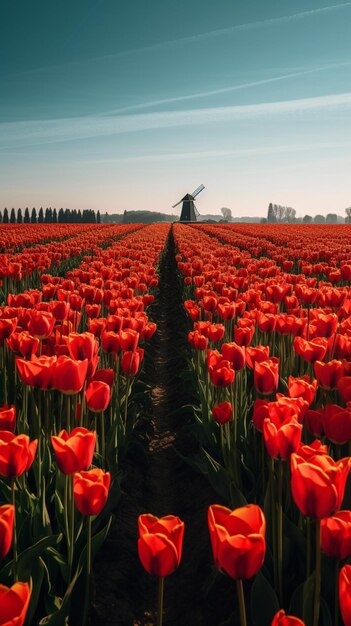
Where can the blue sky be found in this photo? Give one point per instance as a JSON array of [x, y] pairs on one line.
[[118, 105]]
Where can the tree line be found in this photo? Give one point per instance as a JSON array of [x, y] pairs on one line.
[[279, 214], [50, 216]]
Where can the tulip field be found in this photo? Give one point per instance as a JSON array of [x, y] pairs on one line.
[[175, 425]]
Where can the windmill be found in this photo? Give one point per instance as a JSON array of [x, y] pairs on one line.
[[189, 211]]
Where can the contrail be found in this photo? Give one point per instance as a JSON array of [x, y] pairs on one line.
[[224, 90], [41, 132]]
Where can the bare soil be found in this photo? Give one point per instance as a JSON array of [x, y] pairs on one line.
[[160, 482]]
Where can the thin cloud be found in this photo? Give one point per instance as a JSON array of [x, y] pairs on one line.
[[225, 90], [217, 154], [212, 34], [41, 132]]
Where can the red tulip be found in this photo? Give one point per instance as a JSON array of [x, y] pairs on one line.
[[38, 372], [318, 485], [90, 491], [69, 375], [344, 388], [98, 396], [74, 452], [311, 351], [41, 324], [7, 513], [14, 603], [282, 439], [238, 539], [302, 387], [160, 543], [222, 413], [266, 376], [281, 619], [336, 422], [336, 535], [130, 361], [235, 354], [16, 454], [328, 374], [345, 594], [256, 354], [197, 341], [8, 417]]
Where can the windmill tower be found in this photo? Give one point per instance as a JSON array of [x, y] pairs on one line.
[[189, 211]]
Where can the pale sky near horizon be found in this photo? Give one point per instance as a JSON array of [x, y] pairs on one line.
[[117, 105]]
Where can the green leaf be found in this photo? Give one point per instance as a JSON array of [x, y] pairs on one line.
[[36, 577], [28, 556], [264, 601]]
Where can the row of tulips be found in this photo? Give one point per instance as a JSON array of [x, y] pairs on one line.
[[70, 355], [271, 362]]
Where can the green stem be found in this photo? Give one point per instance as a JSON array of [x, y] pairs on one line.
[[280, 531], [274, 520], [88, 573], [71, 545], [336, 601], [161, 581], [65, 505], [103, 442], [14, 535], [308, 547], [241, 600], [317, 588]]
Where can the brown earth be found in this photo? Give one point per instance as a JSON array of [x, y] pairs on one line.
[[163, 484]]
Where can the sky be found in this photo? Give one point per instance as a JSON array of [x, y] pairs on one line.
[[114, 105]]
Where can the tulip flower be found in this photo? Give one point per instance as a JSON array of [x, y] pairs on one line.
[[336, 535], [281, 619], [16, 454], [131, 361], [160, 543], [302, 387], [14, 602], [98, 396], [336, 422], [238, 544], [328, 374], [318, 485], [69, 375], [74, 452], [7, 513], [235, 354], [344, 388], [311, 351], [197, 341], [222, 413], [266, 376], [7, 417], [90, 491], [41, 324], [237, 539], [282, 439], [256, 354], [83, 346], [345, 594], [38, 372]]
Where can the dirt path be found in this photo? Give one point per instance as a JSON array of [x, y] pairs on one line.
[[125, 594]]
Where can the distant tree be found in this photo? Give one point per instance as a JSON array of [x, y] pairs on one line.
[[331, 218], [5, 218], [227, 213], [54, 216], [60, 216], [271, 216], [26, 219], [0, 217], [79, 217], [348, 215], [41, 216], [319, 219], [98, 218], [263, 220], [307, 219], [33, 217], [48, 215], [19, 216], [12, 216]]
